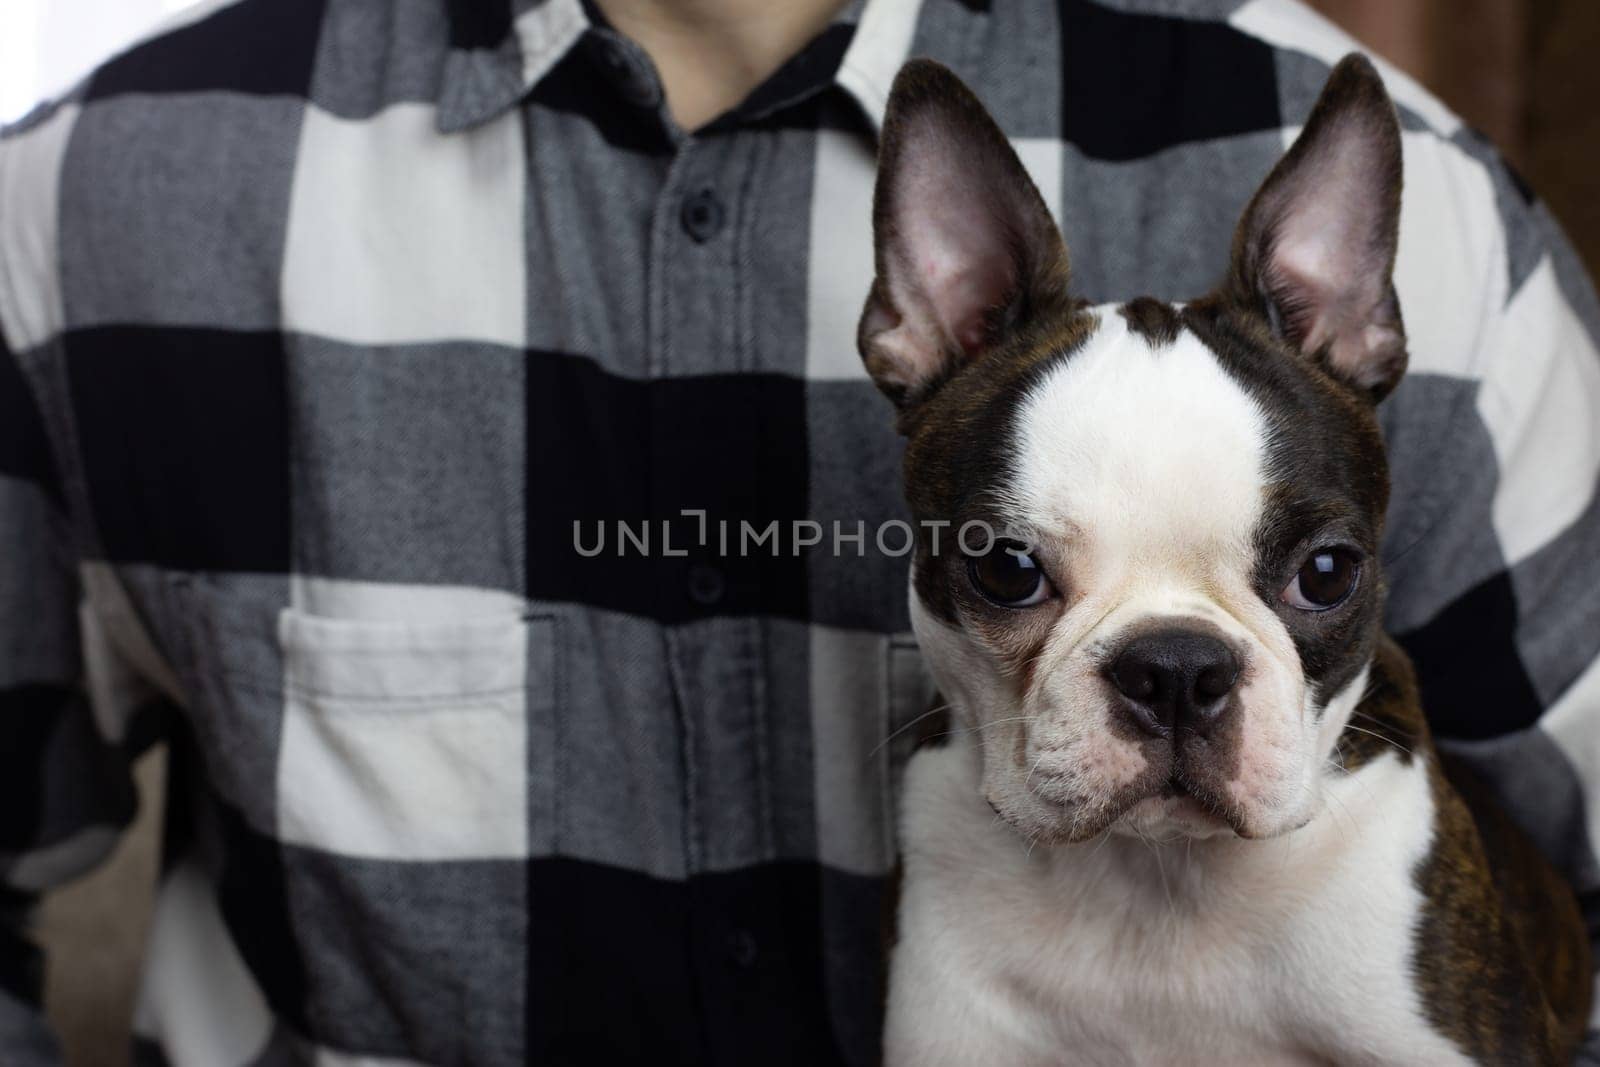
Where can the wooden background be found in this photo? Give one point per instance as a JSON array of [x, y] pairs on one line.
[[1526, 72]]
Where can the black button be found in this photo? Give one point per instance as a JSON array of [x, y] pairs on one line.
[[706, 584], [702, 215], [742, 948]]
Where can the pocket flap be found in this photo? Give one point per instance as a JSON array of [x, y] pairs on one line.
[[404, 661]]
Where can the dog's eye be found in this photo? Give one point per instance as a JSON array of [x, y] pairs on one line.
[[1325, 580], [1008, 576]]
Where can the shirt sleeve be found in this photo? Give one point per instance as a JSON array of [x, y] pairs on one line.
[[65, 789], [1495, 561]]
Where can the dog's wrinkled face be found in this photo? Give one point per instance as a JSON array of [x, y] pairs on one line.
[[1173, 624]]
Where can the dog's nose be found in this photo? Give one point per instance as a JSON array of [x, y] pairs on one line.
[[1174, 679]]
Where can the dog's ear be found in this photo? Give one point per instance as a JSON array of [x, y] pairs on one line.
[[1315, 250], [965, 246]]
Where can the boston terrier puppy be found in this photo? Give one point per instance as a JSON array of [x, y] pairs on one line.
[[1188, 811]]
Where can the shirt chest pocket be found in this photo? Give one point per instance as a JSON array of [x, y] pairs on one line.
[[414, 741], [427, 736]]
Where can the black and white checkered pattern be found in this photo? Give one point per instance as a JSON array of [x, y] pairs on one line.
[[325, 319]]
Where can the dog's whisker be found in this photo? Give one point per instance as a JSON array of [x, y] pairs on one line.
[[930, 712], [952, 732], [1358, 714], [1351, 776], [1351, 819], [997, 722], [1161, 869], [1035, 767], [1380, 737]]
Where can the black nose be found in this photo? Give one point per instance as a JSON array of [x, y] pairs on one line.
[[1174, 679]]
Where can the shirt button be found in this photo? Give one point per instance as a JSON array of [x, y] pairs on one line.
[[706, 585], [742, 948], [702, 215]]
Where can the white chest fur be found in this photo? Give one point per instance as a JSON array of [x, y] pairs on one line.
[[1119, 951]]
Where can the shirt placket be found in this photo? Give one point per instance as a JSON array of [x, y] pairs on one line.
[[705, 458]]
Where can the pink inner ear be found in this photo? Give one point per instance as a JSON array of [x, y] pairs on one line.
[[1329, 259], [958, 244], [962, 234], [962, 301], [1309, 268]]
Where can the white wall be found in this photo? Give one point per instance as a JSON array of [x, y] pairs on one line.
[[47, 45]]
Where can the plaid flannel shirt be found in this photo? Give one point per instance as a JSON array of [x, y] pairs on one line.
[[325, 320]]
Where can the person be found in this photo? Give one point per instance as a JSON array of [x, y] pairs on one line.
[[440, 424]]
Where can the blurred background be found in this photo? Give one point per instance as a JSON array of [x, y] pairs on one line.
[[46, 45], [1523, 71]]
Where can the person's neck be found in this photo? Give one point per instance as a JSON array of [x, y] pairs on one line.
[[711, 53]]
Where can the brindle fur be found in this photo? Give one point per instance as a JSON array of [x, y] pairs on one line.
[[1500, 957], [1154, 320]]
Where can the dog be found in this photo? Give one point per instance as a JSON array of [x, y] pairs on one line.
[[1189, 811]]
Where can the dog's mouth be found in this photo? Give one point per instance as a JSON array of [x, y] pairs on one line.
[[1181, 808], [1174, 806], [1176, 812]]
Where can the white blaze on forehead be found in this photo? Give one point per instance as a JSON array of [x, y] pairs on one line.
[[1152, 454]]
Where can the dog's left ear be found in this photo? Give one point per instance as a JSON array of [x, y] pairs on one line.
[[1316, 247], [965, 246]]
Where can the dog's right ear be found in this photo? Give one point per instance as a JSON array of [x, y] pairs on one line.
[[965, 246]]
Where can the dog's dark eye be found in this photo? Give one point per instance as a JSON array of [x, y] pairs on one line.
[[1325, 580], [1008, 576]]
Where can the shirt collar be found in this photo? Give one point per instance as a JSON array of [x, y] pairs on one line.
[[881, 46], [501, 49]]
